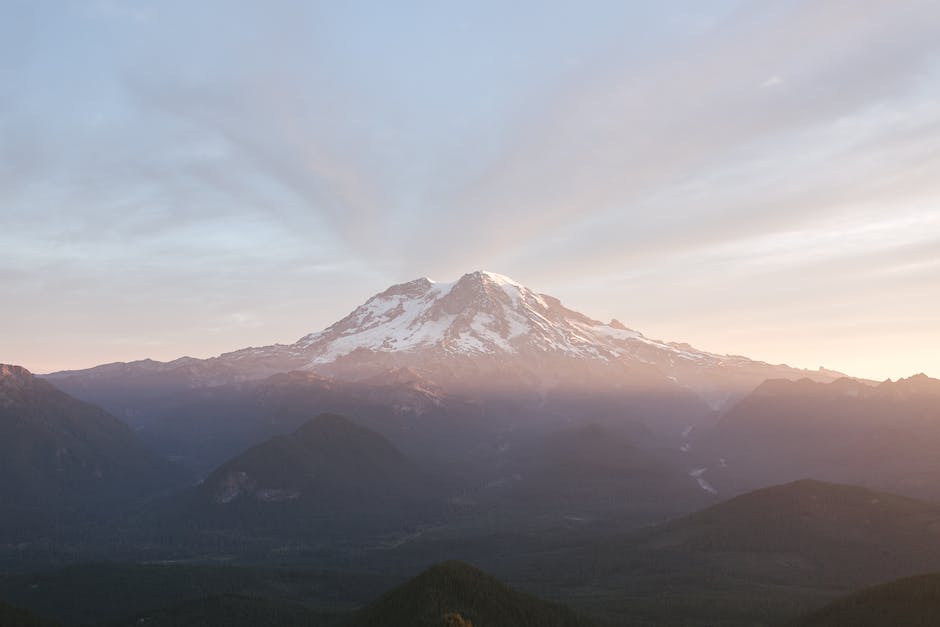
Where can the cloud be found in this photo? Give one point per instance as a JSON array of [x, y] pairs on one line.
[[773, 81], [612, 141]]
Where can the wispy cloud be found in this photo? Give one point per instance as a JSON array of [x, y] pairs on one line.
[[613, 141]]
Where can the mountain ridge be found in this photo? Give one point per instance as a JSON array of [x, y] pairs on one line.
[[882, 436], [483, 330]]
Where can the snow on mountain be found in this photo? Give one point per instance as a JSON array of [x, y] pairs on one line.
[[481, 313]]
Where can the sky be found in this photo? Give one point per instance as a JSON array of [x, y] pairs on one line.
[[188, 178]]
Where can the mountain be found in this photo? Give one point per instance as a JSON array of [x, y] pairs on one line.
[[912, 602], [478, 326], [454, 594], [401, 404], [484, 340], [884, 436], [487, 323], [59, 454], [329, 457], [205, 426], [330, 476], [835, 532]]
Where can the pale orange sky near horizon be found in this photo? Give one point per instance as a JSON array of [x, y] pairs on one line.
[[751, 178]]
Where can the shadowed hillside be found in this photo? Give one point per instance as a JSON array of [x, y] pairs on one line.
[[881, 436], [59, 455], [911, 602], [454, 594], [758, 559], [331, 478], [836, 532]]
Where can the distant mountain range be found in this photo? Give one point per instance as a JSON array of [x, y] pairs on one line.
[[883, 436]]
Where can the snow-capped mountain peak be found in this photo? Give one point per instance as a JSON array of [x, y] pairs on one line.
[[482, 313]]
